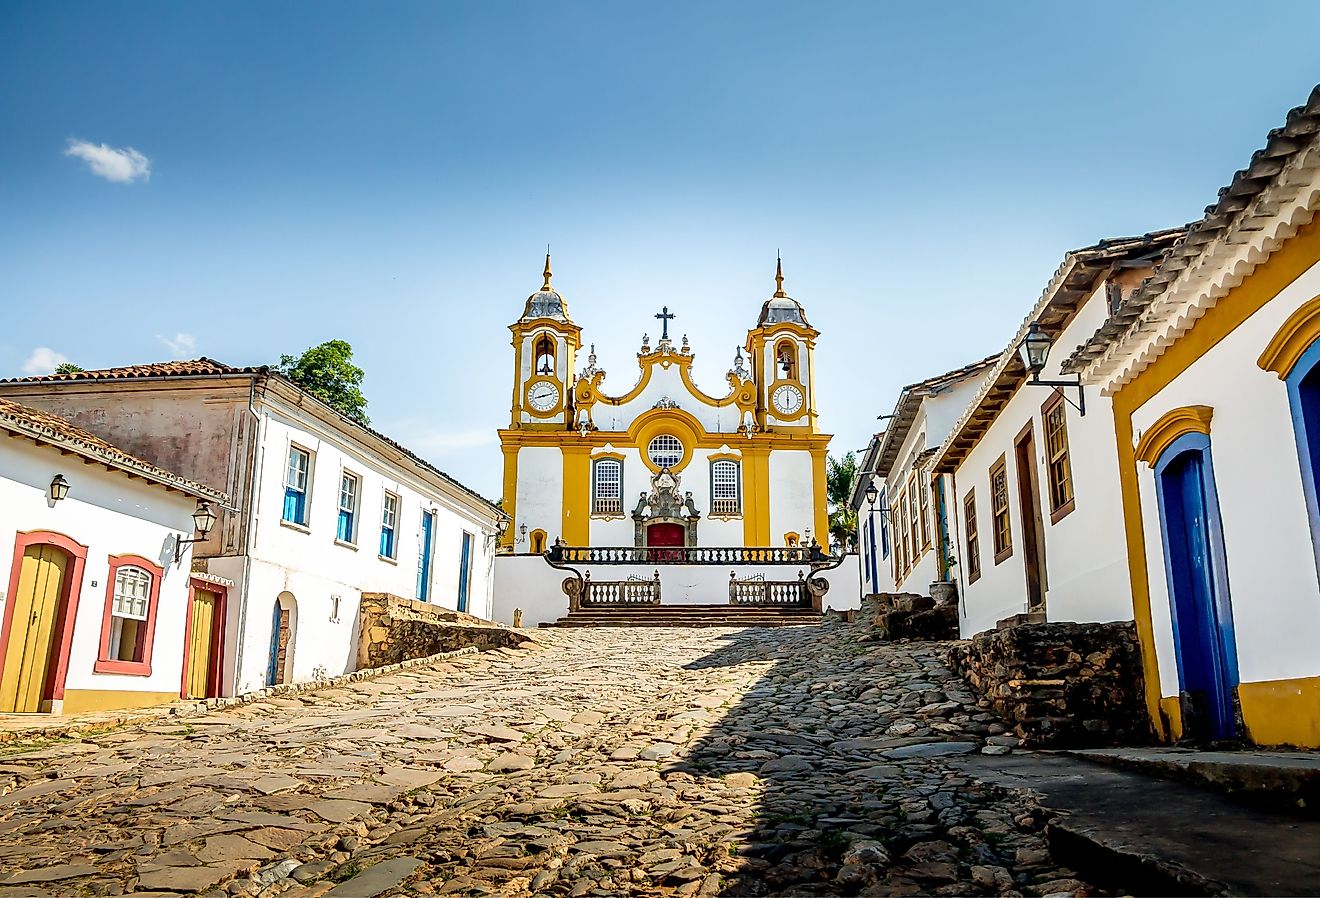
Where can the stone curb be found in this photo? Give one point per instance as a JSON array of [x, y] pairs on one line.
[[187, 708]]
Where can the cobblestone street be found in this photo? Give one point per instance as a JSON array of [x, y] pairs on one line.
[[608, 762]]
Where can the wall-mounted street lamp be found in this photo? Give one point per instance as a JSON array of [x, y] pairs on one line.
[[1035, 349], [501, 528], [203, 523], [59, 488], [522, 535]]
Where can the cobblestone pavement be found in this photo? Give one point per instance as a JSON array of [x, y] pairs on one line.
[[610, 762]]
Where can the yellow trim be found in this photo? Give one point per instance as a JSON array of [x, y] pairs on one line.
[[1282, 712], [820, 483], [510, 497], [792, 539], [576, 529], [1243, 301], [538, 435], [1170, 426], [1290, 343], [724, 456], [588, 392], [675, 422], [81, 701], [557, 409], [756, 496], [598, 454], [1171, 715], [537, 535]]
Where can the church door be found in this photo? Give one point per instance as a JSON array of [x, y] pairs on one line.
[[663, 536]]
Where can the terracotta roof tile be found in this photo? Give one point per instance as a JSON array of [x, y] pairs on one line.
[[187, 368]]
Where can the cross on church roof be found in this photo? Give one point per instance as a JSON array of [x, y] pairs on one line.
[[665, 317]]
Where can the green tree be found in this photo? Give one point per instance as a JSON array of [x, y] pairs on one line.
[[839, 476], [328, 373], [67, 368]]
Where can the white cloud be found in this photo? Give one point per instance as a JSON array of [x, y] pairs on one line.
[[123, 166], [43, 360], [180, 344]]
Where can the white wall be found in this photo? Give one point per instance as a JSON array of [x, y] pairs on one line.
[[529, 583], [111, 514], [540, 495], [1085, 552], [313, 566], [1267, 538], [792, 496]]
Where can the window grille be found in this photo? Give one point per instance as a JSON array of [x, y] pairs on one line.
[[725, 488], [608, 487], [665, 451], [129, 613]]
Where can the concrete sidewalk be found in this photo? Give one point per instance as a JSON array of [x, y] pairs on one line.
[[1158, 837]]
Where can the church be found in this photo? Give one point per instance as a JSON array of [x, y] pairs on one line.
[[659, 462]]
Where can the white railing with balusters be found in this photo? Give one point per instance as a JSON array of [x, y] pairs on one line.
[[758, 591], [620, 592]]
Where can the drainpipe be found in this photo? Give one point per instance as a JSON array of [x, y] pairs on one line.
[[255, 458]]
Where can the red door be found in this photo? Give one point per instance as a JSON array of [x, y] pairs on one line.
[[660, 537]]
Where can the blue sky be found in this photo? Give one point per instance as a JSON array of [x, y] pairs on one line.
[[389, 174]]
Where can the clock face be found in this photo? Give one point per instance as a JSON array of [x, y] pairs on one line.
[[543, 396], [787, 399]]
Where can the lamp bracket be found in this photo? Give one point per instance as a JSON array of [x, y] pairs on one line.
[[1080, 404]]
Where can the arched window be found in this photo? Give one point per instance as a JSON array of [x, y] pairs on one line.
[[607, 486], [537, 540], [725, 487], [786, 356], [665, 451], [545, 356]]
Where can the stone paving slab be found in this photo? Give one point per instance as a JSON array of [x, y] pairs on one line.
[[794, 761]]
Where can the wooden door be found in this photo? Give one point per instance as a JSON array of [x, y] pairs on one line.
[[1033, 535], [282, 646], [201, 642], [36, 610]]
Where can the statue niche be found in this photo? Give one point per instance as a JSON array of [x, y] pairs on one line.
[[665, 517]]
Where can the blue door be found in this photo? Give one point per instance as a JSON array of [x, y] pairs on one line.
[[1304, 399], [424, 558], [871, 559], [464, 571], [273, 664], [1198, 587]]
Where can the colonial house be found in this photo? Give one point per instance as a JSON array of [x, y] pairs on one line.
[[873, 538], [917, 503], [1039, 527], [101, 611], [326, 508], [1212, 370]]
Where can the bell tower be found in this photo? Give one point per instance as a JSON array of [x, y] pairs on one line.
[[545, 344], [781, 348]]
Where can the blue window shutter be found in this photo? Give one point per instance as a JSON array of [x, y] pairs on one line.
[[293, 506]]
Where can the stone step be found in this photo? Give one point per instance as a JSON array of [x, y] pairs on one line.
[[1151, 836], [1287, 780], [690, 616]]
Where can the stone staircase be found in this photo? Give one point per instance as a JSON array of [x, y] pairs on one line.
[[690, 616]]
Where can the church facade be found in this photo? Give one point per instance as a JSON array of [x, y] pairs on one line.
[[660, 462]]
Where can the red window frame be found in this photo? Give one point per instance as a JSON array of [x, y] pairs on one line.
[[106, 664]]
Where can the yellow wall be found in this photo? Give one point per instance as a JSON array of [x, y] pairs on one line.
[[80, 701]]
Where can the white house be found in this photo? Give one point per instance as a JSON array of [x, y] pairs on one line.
[[915, 500], [100, 611], [1039, 523], [1213, 370], [873, 538], [326, 507]]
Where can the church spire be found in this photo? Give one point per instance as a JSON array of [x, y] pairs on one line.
[[546, 274], [779, 275]]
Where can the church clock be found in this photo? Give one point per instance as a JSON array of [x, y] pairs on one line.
[[543, 395], [787, 400]]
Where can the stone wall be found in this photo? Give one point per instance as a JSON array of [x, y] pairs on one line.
[[392, 629], [910, 616], [1060, 684]]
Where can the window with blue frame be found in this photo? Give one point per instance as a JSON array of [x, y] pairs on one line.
[[389, 519], [348, 499], [297, 482]]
